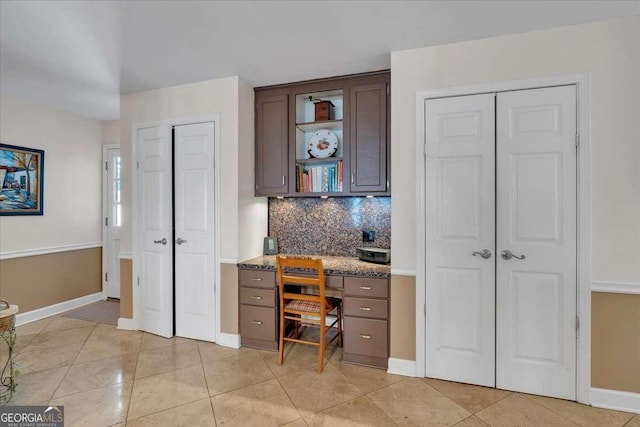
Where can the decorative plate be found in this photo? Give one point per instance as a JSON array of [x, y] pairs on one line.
[[323, 143]]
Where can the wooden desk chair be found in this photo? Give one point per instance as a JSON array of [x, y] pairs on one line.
[[314, 308]]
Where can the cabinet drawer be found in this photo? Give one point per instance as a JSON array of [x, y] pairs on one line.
[[330, 281], [365, 307], [258, 322], [255, 296], [366, 337], [258, 278], [366, 287]]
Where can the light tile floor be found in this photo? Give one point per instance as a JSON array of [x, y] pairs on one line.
[[104, 376]]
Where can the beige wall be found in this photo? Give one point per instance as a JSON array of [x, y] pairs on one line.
[[609, 52], [126, 289], [615, 341], [403, 317], [72, 176], [39, 281], [229, 298]]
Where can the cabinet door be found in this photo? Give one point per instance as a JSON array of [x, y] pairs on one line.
[[368, 138], [272, 143]]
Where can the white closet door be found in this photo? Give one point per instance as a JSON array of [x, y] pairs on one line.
[[536, 220], [155, 190], [194, 231], [460, 186]]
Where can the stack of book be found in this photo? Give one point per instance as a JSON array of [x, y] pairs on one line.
[[319, 178]]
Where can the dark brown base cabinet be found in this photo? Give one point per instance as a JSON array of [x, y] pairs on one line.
[[366, 321], [286, 154], [365, 308], [258, 314]]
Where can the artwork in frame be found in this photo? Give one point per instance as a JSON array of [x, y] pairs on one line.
[[21, 180]]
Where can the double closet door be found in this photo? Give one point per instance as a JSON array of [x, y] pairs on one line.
[[176, 200], [501, 240]]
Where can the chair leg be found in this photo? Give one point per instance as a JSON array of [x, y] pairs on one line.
[[281, 340], [340, 325], [323, 334]]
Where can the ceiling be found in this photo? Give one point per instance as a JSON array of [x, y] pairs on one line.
[[80, 56]]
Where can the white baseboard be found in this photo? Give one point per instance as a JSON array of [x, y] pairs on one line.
[[52, 310], [228, 340], [617, 400], [127, 324], [402, 367]]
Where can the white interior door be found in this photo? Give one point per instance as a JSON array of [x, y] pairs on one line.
[[156, 213], [460, 187], [113, 222], [194, 231], [536, 221]]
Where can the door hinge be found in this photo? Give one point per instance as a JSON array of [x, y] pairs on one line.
[[106, 166], [425, 151], [424, 308], [106, 221], [138, 280], [106, 277], [577, 323], [137, 165], [577, 140]]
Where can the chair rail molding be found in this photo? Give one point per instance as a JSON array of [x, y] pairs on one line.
[[48, 250], [631, 288]]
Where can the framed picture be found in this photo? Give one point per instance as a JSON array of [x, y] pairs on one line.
[[21, 180]]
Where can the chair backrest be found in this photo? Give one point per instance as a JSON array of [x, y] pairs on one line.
[[300, 271]]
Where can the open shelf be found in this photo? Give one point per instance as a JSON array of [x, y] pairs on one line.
[[323, 124], [318, 160]]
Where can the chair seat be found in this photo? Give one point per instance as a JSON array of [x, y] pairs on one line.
[[312, 306]]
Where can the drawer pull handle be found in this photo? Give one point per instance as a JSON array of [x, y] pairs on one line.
[[364, 337], [257, 279], [365, 308], [256, 297], [365, 288], [257, 322]]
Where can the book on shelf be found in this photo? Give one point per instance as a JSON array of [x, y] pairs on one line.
[[319, 178]]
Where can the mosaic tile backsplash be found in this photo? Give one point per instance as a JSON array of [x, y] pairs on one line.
[[331, 226]]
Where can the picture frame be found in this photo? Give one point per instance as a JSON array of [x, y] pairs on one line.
[[21, 180]]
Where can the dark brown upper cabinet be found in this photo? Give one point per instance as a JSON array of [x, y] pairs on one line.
[[341, 153], [272, 143], [368, 138]]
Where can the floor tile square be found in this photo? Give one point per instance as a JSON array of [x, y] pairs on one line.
[[235, 372], [264, 404], [583, 415], [413, 402], [167, 390], [473, 398], [167, 358], [517, 410], [354, 413], [194, 414]]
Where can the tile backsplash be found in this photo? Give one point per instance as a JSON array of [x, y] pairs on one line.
[[331, 226]]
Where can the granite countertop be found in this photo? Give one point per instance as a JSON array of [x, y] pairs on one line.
[[338, 265]]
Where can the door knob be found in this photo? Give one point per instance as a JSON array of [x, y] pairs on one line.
[[507, 255], [485, 253], [163, 241], [180, 241]]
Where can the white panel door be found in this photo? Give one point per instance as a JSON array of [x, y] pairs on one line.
[[536, 221], [194, 231], [113, 222], [155, 191], [460, 228]]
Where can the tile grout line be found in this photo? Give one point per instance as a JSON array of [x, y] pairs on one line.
[[71, 364], [206, 382], [133, 381]]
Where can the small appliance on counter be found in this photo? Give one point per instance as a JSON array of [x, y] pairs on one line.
[[270, 246], [377, 255]]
